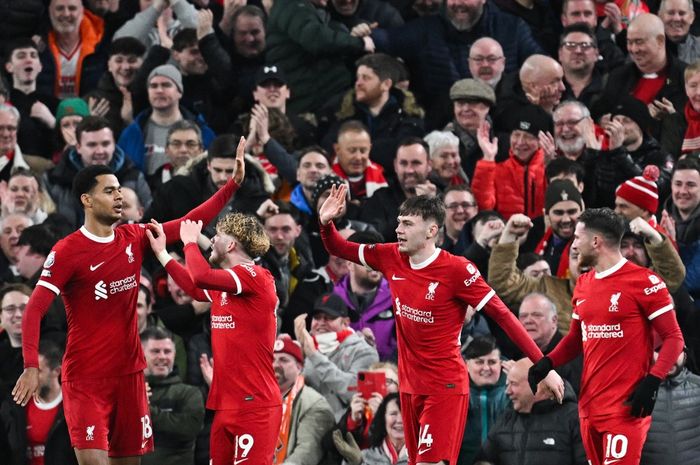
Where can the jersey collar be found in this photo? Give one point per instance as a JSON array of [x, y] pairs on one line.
[[49, 405], [611, 270], [427, 261], [91, 236]]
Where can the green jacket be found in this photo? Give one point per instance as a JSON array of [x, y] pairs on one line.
[[313, 52], [177, 416]]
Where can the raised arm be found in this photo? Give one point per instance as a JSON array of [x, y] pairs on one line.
[[335, 244], [208, 210]]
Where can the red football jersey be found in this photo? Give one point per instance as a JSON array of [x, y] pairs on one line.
[[430, 302], [615, 309], [40, 418], [243, 331], [98, 278]]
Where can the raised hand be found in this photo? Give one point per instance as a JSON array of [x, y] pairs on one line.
[[240, 162], [547, 144], [98, 106], [205, 23], [156, 236], [334, 206], [518, 225], [489, 147], [189, 231], [206, 365]]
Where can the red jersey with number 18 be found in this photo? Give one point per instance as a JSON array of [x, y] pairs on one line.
[[615, 309], [98, 278], [430, 303], [243, 331]]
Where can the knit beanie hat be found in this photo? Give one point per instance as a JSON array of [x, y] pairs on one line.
[[285, 344], [170, 72], [324, 184], [72, 107], [561, 190], [642, 190]]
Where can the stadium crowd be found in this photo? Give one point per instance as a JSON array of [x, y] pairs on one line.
[[514, 112]]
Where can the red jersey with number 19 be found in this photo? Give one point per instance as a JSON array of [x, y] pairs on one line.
[[98, 278], [430, 303], [615, 309], [243, 331]]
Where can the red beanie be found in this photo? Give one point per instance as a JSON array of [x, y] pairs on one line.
[[285, 344], [641, 190]]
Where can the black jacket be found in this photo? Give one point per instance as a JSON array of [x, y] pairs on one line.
[[13, 439], [549, 435], [382, 209]]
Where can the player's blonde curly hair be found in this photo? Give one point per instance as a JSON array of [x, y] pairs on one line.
[[247, 230]]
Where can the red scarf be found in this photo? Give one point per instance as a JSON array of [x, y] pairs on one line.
[[391, 451], [563, 268], [328, 342], [691, 139]]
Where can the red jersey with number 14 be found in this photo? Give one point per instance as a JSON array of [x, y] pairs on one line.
[[98, 278], [615, 308], [430, 303]]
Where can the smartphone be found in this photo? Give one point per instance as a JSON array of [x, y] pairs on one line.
[[371, 381]]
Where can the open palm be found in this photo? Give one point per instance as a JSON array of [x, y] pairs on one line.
[[334, 205]]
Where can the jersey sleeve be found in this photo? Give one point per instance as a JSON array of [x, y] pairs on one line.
[[369, 255], [58, 269], [654, 297], [182, 278], [204, 277], [38, 305], [205, 212], [473, 290]]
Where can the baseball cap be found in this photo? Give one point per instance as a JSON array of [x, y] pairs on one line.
[[330, 304], [270, 73]]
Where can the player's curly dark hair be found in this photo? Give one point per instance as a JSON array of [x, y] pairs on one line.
[[377, 430], [248, 231]]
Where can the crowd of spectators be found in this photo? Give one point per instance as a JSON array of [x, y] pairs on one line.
[[519, 114]]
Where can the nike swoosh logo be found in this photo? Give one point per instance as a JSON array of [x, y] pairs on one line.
[[396, 278], [580, 301], [236, 462], [94, 267], [609, 461], [422, 451], [143, 444]]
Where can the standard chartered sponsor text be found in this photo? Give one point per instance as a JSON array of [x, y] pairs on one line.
[[123, 284], [419, 316], [222, 322], [604, 331]]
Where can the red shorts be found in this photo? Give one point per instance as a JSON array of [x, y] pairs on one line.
[[110, 414], [245, 436], [614, 439], [433, 426]]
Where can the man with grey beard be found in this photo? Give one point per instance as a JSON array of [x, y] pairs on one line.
[[486, 61], [434, 46]]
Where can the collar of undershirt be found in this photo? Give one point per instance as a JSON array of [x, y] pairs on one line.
[[95, 238], [427, 261]]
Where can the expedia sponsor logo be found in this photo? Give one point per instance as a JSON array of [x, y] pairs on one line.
[[655, 288], [222, 322], [249, 269], [475, 275]]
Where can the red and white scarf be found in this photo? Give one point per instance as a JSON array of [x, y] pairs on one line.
[[691, 139], [328, 342]]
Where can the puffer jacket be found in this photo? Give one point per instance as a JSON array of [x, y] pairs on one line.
[[549, 435], [332, 374], [511, 187], [673, 436]]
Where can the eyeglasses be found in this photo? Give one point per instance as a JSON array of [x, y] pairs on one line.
[[491, 59], [10, 309], [390, 382], [585, 46], [571, 122], [8, 128], [464, 205], [190, 144]]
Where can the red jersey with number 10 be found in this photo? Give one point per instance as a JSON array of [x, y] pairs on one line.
[[615, 309], [430, 303], [98, 278]]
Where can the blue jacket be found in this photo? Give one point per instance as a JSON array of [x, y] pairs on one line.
[[437, 54], [378, 316], [133, 136]]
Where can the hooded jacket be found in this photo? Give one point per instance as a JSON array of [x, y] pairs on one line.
[[688, 239], [60, 182], [378, 316]]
